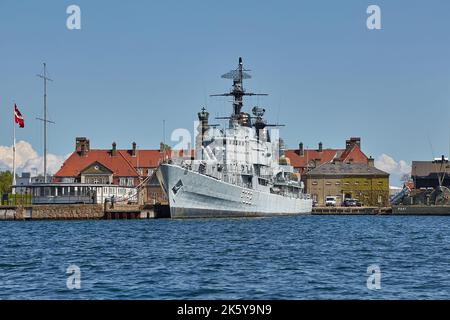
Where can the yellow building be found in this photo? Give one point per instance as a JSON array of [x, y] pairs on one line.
[[363, 182]]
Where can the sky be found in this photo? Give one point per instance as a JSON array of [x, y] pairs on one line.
[[135, 64]]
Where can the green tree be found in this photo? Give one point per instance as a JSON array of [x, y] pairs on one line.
[[5, 182]]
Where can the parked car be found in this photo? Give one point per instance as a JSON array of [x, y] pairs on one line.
[[330, 201], [352, 203]]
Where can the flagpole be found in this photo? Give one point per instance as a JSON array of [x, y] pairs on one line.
[[14, 149]]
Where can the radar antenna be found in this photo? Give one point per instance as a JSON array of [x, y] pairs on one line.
[[238, 91]]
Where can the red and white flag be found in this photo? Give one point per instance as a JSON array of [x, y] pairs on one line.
[[18, 117]]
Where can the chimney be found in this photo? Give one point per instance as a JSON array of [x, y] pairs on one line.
[[133, 150], [114, 149], [82, 146], [371, 162], [354, 141], [320, 146], [301, 151]]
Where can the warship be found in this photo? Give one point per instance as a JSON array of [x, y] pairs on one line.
[[238, 171]]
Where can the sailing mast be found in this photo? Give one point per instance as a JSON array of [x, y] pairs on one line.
[[14, 149], [45, 78]]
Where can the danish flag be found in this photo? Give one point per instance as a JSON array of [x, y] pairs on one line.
[[18, 117]]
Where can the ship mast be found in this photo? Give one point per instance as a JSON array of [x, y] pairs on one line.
[[237, 91]]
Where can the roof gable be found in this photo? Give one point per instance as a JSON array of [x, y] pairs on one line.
[[354, 154], [96, 168]]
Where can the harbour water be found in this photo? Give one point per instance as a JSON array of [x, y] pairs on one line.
[[305, 257]]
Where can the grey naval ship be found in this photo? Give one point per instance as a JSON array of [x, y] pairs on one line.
[[239, 171]]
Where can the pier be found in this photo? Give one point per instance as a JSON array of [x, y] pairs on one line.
[[351, 210]]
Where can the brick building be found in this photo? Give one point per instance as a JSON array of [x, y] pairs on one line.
[[304, 160], [123, 167]]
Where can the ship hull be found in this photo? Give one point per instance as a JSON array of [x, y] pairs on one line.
[[193, 195]]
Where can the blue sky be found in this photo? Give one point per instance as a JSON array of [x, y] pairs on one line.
[[136, 63]]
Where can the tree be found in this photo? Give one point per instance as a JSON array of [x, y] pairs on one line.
[[5, 182]]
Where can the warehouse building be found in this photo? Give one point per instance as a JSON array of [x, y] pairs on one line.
[[363, 182]]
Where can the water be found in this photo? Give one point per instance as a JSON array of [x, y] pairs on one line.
[[274, 258]]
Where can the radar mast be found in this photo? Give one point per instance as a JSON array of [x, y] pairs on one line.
[[238, 92]]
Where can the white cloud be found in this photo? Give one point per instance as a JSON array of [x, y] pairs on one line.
[[28, 160], [389, 165]]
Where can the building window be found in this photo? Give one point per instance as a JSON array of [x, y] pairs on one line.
[[123, 181], [149, 172], [130, 182]]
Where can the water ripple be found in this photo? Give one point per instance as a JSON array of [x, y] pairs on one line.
[[273, 258]]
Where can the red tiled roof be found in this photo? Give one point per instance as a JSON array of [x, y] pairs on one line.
[[298, 161], [325, 156], [355, 155], [122, 164]]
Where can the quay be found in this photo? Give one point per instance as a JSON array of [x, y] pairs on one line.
[[351, 210], [161, 211], [82, 212]]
